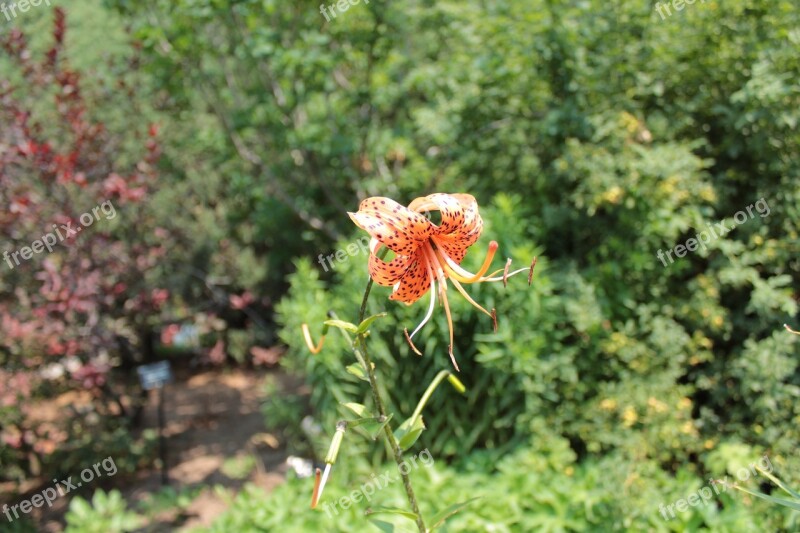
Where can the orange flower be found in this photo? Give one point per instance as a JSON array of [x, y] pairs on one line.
[[424, 252]]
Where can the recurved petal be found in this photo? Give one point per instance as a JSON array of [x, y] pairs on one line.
[[461, 238], [473, 223], [417, 226], [449, 206], [396, 239], [387, 273], [393, 225], [414, 283], [455, 247]]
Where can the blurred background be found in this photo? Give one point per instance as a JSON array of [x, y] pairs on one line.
[[230, 138]]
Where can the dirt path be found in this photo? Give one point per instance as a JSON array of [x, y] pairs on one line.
[[213, 417]]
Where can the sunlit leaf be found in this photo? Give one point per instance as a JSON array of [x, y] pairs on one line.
[[374, 428], [358, 409], [771, 499], [358, 371], [386, 527], [341, 324], [408, 432], [367, 321], [441, 517], [391, 510]]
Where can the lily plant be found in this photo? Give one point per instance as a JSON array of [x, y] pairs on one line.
[[424, 254]]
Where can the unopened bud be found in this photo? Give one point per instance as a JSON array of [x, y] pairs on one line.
[[333, 451], [456, 383]]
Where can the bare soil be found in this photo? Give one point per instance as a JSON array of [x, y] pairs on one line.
[[210, 417]]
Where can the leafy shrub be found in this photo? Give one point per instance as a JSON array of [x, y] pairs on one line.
[[602, 135], [70, 316], [107, 513], [544, 488]]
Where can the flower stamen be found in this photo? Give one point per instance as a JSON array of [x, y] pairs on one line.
[[430, 308], [460, 289], [500, 278], [432, 260], [408, 339], [450, 327], [430, 256], [530, 274], [450, 348], [457, 272], [415, 238]]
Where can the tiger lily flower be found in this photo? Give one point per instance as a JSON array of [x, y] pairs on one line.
[[426, 253]]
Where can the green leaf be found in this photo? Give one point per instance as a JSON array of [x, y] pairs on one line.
[[358, 371], [358, 409], [374, 427], [386, 527], [771, 499], [409, 431], [779, 483], [341, 324], [362, 328], [360, 421], [441, 517], [392, 510], [368, 422]]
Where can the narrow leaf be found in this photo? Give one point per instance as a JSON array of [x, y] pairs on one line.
[[374, 427], [386, 527], [358, 371], [360, 421], [771, 499], [341, 324], [362, 328], [409, 431], [392, 510], [779, 483], [441, 517], [358, 409]]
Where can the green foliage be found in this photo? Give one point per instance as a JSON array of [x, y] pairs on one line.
[[23, 525], [107, 513], [239, 467], [615, 149], [105, 438], [543, 488], [594, 136], [793, 503], [282, 410], [168, 498]]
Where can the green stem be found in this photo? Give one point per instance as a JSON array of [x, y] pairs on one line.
[[424, 400], [360, 347], [363, 310]]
